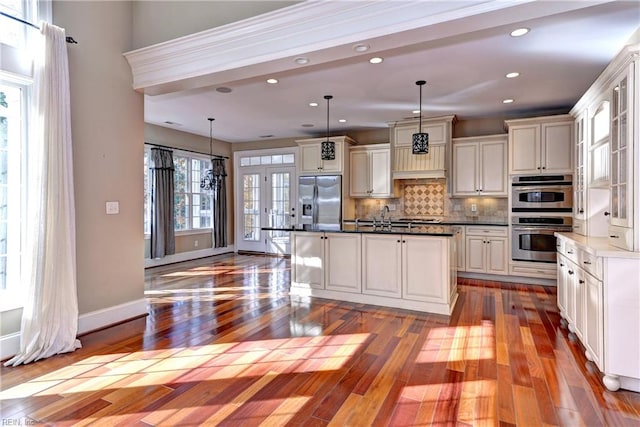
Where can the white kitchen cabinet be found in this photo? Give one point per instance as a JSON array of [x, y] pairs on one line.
[[579, 173], [540, 145], [310, 160], [370, 168], [480, 166], [327, 261], [594, 316], [425, 268], [307, 259], [486, 250], [435, 164], [622, 160], [562, 285], [459, 237], [382, 265], [602, 302]]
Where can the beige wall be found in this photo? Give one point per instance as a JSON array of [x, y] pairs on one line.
[[107, 130], [156, 20]]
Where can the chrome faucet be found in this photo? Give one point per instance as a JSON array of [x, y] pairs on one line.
[[383, 223]]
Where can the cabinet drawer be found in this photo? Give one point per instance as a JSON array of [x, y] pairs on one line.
[[621, 237], [591, 264], [543, 270], [474, 230], [570, 251]]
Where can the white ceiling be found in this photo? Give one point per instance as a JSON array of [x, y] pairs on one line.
[[464, 68]]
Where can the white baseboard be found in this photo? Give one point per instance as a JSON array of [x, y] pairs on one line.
[[187, 256], [108, 316], [10, 344]]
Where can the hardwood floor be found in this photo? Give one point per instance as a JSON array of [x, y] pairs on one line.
[[224, 344]]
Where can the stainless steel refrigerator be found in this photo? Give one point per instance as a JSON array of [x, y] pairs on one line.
[[320, 201]]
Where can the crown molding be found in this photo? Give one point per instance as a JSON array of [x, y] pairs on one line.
[[314, 29]]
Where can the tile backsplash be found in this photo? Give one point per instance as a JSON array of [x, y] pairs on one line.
[[428, 198]]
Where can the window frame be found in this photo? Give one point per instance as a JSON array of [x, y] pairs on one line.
[[189, 229]]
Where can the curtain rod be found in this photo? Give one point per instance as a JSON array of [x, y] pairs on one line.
[[189, 151], [15, 18]]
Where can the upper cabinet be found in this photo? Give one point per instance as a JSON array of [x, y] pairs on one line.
[[310, 158], [370, 169], [480, 166], [540, 145], [434, 164]]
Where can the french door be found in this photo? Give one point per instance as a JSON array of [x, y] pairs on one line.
[[266, 199]]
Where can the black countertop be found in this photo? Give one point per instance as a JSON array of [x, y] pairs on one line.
[[418, 230]]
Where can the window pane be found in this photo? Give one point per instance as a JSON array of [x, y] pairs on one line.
[[181, 211], [287, 158], [251, 196], [12, 32], [245, 161]]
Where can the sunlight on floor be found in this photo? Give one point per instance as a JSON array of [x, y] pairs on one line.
[[194, 364], [459, 343]]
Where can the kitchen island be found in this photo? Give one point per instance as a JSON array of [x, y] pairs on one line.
[[410, 268]]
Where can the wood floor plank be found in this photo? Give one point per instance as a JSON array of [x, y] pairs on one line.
[[224, 344]]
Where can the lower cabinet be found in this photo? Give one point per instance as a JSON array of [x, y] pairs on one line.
[[599, 297], [487, 250], [394, 270], [327, 261]]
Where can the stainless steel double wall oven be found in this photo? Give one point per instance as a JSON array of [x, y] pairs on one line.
[[540, 206]]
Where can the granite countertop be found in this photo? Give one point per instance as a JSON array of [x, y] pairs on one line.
[[486, 222], [418, 230]]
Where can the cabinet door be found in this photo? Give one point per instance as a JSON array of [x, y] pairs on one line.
[[342, 262], [524, 149], [308, 259], [475, 254], [458, 234], [403, 135], [425, 267], [465, 169], [497, 256], [579, 173], [570, 282], [579, 286], [622, 122], [359, 171], [380, 172], [493, 168], [562, 285], [381, 265], [593, 326], [557, 145], [310, 158]]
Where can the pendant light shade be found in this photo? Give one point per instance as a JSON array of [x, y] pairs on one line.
[[420, 140], [328, 148], [207, 181]]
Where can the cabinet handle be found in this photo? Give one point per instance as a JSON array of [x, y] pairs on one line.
[[398, 241], [544, 167], [580, 281], [570, 272], [570, 252], [404, 241], [538, 167], [613, 236], [607, 213], [561, 265], [587, 262], [581, 211]]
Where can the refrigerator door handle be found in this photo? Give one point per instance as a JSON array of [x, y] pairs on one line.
[[314, 214]]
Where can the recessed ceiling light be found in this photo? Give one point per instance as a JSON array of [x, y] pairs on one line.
[[519, 32], [223, 89], [376, 60], [313, 104], [416, 112], [343, 120], [361, 47], [169, 122], [301, 60], [266, 136], [507, 101], [307, 125], [272, 81], [512, 75]]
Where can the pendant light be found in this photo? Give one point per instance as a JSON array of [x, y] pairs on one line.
[[420, 140], [207, 181], [328, 148]]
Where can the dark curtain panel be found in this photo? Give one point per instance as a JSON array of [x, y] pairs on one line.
[[219, 193], [162, 228]]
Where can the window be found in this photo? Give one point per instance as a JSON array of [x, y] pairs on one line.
[[192, 205]]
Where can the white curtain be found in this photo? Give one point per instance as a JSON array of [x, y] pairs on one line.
[[50, 313]]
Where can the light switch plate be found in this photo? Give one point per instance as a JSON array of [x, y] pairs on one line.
[[113, 208]]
